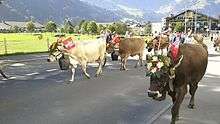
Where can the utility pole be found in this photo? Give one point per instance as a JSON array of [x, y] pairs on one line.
[[185, 16], [195, 29]]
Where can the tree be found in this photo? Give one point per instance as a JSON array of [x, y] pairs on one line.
[[84, 27], [30, 26], [15, 29], [101, 28], [68, 27], [80, 24], [76, 29], [51, 26], [147, 28], [179, 27], [120, 28], [111, 28], [92, 27]]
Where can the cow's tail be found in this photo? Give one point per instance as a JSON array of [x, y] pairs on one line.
[[200, 40]]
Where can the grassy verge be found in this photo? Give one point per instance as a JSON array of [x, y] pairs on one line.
[[23, 43]]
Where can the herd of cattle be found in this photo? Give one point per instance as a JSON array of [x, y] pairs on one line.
[[189, 68]]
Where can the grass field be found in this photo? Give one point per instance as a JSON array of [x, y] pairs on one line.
[[19, 43]]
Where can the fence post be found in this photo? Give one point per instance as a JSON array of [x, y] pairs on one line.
[[5, 45], [48, 44]]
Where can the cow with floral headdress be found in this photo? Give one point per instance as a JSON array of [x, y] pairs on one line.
[[172, 73]]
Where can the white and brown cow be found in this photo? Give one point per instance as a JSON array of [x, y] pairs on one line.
[[82, 53]]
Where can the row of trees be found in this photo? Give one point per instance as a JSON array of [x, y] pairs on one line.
[[91, 27], [84, 27]]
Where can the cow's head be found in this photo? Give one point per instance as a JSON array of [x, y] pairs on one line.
[[159, 85], [55, 52], [110, 47], [158, 42]]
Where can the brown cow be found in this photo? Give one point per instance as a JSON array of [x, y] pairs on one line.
[[129, 47], [188, 70]]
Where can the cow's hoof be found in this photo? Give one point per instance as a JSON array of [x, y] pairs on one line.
[[172, 122], [88, 77], [69, 82], [177, 118], [96, 75], [191, 106]]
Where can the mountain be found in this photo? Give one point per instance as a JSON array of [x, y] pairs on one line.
[[127, 9], [57, 10], [101, 10], [150, 10]]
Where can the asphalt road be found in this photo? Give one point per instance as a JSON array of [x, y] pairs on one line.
[[38, 93]]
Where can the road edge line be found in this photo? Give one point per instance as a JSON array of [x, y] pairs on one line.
[[159, 114]]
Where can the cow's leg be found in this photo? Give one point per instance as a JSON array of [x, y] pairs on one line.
[[84, 65], [124, 62], [173, 96], [140, 60], [73, 74], [1, 72], [99, 70], [181, 92], [192, 92]]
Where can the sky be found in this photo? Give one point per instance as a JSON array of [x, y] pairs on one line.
[[164, 7], [172, 6]]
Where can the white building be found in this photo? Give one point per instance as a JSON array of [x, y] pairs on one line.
[[156, 28]]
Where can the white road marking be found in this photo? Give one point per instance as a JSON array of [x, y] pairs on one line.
[[35, 73], [51, 70], [216, 89], [47, 75], [17, 64], [202, 85]]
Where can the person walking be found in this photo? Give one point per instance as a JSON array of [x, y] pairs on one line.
[[188, 37]]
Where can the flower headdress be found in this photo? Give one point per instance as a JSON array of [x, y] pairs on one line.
[[156, 64]]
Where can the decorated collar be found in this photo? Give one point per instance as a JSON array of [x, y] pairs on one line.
[[68, 44]]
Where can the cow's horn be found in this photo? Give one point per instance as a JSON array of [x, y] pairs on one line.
[[178, 64], [171, 85]]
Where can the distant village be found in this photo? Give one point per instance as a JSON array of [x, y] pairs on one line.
[[189, 19]]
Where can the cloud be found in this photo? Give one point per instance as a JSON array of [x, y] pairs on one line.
[[165, 9], [195, 4], [200, 4], [132, 11], [217, 1], [179, 1]]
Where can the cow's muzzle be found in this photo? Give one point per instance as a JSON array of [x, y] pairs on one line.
[[154, 94], [48, 60], [149, 49]]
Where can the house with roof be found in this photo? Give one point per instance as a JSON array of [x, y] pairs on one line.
[[194, 20], [7, 25], [4, 27]]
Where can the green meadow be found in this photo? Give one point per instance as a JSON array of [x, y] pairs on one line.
[[22, 43]]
